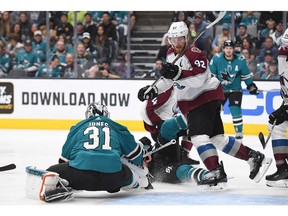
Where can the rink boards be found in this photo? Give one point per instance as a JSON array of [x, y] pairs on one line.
[[60, 103]]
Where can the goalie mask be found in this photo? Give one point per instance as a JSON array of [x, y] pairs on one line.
[[284, 39], [176, 30], [96, 109]]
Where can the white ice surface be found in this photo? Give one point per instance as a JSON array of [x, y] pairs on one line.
[[41, 148]]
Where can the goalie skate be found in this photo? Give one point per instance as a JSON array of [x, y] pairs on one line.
[[46, 186], [58, 194]]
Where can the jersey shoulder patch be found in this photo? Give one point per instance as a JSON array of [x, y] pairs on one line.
[[195, 49]]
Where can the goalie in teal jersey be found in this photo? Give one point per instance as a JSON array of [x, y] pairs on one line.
[[231, 69], [99, 155]]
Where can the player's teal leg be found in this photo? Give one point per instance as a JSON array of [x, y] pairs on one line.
[[237, 121]]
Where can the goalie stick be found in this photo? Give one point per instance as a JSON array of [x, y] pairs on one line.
[[8, 167], [220, 16], [262, 138]]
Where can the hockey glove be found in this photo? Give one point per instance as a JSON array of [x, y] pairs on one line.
[[252, 88], [170, 71], [147, 146], [143, 95], [280, 115]]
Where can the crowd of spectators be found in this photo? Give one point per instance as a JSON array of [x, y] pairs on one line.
[[256, 36], [101, 35]]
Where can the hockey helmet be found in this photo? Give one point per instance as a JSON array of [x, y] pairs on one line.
[[228, 43], [177, 29], [96, 109]]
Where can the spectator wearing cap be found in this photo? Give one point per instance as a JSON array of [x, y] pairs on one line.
[[262, 67], [277, 34], [90, 47], [272, 72], [52, 70], [204, 41], [242, 33], [220, 38], [64, 27], [268, 45], [90, 26], [5, 61], [39, 45], [27, 62]]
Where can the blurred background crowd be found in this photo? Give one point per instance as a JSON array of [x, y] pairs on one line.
[[128, 44]]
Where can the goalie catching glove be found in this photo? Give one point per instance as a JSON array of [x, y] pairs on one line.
[[280, 115], [170, 71], [143, 95]]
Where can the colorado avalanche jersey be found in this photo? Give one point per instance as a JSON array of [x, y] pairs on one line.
[[195, 86], [283, 72], [98, 143], [162, 107]]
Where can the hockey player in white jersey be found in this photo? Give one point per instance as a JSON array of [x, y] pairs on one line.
[[199, 97], [280, 118], [155, 111]]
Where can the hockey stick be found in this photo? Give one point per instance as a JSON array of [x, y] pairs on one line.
[[172, 142], [220, 16], [7, 167], [261, 136], [245, 90]]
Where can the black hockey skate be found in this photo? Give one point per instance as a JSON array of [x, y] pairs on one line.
[[256, 160], [279, 178], [216, 179], [186, 159]]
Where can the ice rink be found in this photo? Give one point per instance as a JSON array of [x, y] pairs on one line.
[[41, 148]]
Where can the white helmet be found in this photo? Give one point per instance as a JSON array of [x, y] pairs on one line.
[[178, 29], [96, 109], [284, 39]]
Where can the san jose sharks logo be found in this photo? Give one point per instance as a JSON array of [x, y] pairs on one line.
[[227, 76]]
